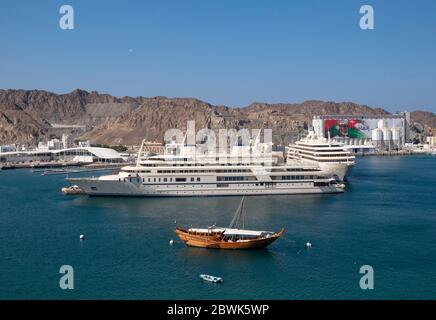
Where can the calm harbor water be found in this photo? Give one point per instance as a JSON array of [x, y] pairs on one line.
[[386, 219]]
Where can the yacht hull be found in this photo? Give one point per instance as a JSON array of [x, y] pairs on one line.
[[337, 170], [95, 187]]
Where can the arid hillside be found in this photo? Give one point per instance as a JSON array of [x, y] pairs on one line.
[[28, 116]]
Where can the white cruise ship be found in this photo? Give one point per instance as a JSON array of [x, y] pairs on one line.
[[332, 157], [182, 172]]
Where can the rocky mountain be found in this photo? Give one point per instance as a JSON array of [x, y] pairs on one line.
[[156, 115], [17, 125], [77, 107], [28, 116]]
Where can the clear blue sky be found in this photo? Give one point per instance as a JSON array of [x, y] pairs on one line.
[[230, 52]]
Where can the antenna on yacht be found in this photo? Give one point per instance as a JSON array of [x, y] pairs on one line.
[[138, 158], [257, 140], [184, 140]]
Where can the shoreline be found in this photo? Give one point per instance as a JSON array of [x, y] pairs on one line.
[[391, 154]]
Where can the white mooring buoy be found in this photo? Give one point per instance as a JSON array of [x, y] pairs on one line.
[[308, 245], [171, 242], [82, 237]]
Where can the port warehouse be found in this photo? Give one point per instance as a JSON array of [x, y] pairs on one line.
[[79, 154], [365, 133]]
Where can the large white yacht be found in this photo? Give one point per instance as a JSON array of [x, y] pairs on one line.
[[184, 171], [332, 157]]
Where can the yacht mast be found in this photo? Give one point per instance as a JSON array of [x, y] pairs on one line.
[[239, 214]]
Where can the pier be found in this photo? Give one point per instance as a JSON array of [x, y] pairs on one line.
[[392, 153], [43, 166]]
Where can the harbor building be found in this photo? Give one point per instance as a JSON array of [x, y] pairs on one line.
[[431, 140], [365, 133], [76, 154], [66, 142], [8, 148]]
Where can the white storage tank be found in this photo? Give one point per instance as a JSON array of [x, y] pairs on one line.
[[396, 135], [381, 124], [377, 135], [387, 134]]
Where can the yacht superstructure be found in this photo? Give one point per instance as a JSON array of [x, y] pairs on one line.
[[185, 171], [332, 157]]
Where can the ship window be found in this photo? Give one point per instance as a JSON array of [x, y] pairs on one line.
[[198, 179], [180, 179], [165, 179], [192, 179], [148, 179], [154, 179]]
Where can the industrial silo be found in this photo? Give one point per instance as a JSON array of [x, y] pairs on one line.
[[396, 136], [377, 137], [381, 124], [387, 137]]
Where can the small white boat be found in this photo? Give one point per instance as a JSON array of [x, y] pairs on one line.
[[54, 171], [341, 185], [210, 278], [72, 190]]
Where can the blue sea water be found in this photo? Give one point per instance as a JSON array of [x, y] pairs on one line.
[[385, 219]]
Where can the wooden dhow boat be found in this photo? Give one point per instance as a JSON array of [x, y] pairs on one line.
[[232, 237]]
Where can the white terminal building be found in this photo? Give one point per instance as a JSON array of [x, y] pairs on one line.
[[60, 150], [365, 133], [76, 154], [66, 142]]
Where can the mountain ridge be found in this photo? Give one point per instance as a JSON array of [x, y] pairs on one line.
[[28, 116]]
